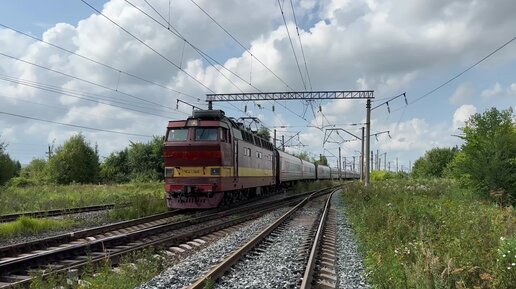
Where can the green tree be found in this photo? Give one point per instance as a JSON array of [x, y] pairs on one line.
[[303, 156], [146, 160], [322, 161], [264, 133], [75, 161], [8, 167], [115, 167], [487, 161], [433, 163], [36, 170]]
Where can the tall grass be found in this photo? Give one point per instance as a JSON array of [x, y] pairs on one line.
[[27, 225], [431, 234], [132, 271], [45, 197]]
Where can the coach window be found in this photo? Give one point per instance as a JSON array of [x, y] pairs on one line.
[[205, 133], [177, 134]]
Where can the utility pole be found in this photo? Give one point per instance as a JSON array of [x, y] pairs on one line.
[[283, 142], [274, 138], [344, 167], [409, 166], [367, 148], [396, 164], [339, 167], [385, 161], [362, 158], [353, 168], [372, 161], [49, 153], [377, 160]]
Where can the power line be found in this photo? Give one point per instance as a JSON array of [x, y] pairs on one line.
[[148, 46], [205, 56], [291, 44], [73, 125], [241, 45], [82, 79], [464, 71], [252, 56], [74, 94], [95, 61], [301, 45]]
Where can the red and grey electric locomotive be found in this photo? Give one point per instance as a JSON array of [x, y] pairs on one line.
[[211, 159]]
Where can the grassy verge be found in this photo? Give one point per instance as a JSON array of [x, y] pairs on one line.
[[26, 226], [132, 271], [46, 197], [431, 234]]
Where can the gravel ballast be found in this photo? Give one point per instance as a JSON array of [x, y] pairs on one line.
[[278, 265], [192, 267], [350, 269]]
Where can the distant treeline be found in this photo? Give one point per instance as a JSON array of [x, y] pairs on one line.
[[77, 161]]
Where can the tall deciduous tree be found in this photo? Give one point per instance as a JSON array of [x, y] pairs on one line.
[[8, 167], [75, 161], [433, 163], [265, 133], [488, 157], [145, 160]]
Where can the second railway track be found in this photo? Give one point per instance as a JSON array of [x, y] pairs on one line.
[[58, 254], [59, 212]]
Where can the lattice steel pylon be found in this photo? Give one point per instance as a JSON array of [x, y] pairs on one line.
[[306, 95]]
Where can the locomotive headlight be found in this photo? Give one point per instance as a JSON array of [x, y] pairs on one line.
[[169, 172], [192, 122], [215, 171]]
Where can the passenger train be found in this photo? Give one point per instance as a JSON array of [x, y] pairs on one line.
[[211, 159]]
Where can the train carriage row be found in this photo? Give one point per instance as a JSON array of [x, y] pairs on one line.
[[210, 159]]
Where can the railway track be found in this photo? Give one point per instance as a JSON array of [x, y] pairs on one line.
[[75, 250], [317, 253], [58, 212]]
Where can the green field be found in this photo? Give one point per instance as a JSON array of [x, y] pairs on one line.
[[432, 234], [143, 199], [46, 197]]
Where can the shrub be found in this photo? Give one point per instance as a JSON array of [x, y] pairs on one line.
[[76, 161]]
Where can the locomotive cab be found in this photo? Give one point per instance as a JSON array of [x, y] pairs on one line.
[[197, 156]]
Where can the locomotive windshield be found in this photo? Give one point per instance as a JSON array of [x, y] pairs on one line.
[[177, 134], [203, 133]]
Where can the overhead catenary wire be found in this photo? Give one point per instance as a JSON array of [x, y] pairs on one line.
[[78, 95], [74, 125], [253, 56], [96, 62], [82, 80], [204, 54], [292, 45], [241, 45], [301, 45], [149, 47], [464, 71]]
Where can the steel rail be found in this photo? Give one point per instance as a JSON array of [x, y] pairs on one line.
[[310, 267], [58, 212], [220, 269], [20, 248]]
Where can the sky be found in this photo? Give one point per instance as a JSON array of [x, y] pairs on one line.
[[116, 77]]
